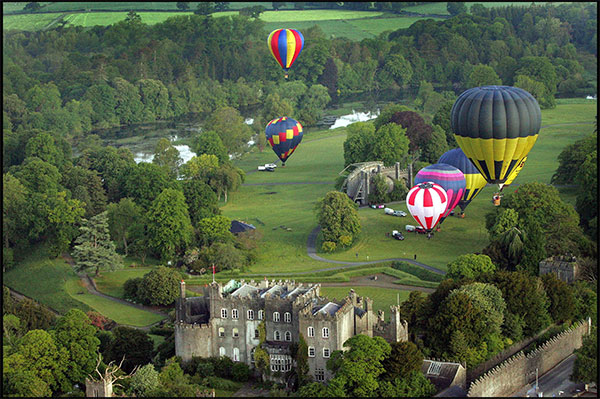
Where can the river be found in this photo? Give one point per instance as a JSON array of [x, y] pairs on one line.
[[142, 139]]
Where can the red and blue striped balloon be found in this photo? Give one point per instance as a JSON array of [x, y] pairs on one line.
[[450, 178], [285, 45]]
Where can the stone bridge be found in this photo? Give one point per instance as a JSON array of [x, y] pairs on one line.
[[358, 182]]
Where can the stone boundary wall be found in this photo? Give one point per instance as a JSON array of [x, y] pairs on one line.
[[519, 370]]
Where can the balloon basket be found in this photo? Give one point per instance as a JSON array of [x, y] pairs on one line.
[[462, 215]]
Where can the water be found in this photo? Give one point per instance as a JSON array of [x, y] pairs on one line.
[[142, 139]]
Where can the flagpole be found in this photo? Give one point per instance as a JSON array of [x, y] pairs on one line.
[[213, 272]]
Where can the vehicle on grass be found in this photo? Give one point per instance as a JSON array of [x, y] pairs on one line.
[[409, 227], [397, 235], [378, 206], [264, 168], [399, 213], [420, 230], [270, 165]]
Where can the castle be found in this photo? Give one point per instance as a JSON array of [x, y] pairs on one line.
[[225, 322], [565, 267]]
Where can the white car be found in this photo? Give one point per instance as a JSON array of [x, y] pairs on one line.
[[270, 165], [399, 213], [388, 211]]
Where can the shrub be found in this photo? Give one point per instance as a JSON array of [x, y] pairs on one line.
[[328, 246], [98, 319], [223, 366], [131, 287], [240, 372], [221, 383], [205, 369], [416, 271], [345, 240], [159, 287]]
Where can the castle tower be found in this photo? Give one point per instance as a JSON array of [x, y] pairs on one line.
[[398, 326], [98, 389], [182, 289]]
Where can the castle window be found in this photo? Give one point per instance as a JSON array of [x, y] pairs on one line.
[[221, 351], [311, 331], [221, 332], [261, 314], [223, 313], [277, 336], [256, 334], [325, 352], [252, 355], [250, 314], [236, 355], [236, 333], [280, 363], [320, 375], [311, 351], [325, 332], [234, 313], [287, 317], [288, 336], [276, 317]]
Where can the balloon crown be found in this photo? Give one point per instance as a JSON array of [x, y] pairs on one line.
[[425, 185]]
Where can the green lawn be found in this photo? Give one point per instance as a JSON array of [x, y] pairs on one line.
[[44, 280], [440, 7], [28, 22], [122, 314], [112, 283], [382, 297]]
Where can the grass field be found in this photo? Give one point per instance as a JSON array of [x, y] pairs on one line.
[[28, 22], [112, 283], [118, 312], [440, 7], [44, 280], [382, 297]]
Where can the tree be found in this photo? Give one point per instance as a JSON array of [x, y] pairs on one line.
[[76, 334], [94, 249], [540, 69], [201, 200], [42, 362], [32, 6], [155, 97], [205, 8], [562, 298], [337, 216], [391, 145], [277, 5], [63, 215], [168, 223], [144, 182], [11, 329], [483, 75], [571, 159], [470, 266], [135, 345], [221, 6], [399, 68], [489, 299], [404, 358], [210, 143], [379, 190], [414, 385], [329, 78], [167, 157], [159, 286], [359, 142], [359, 367], [275, 105], [86, 186], [230, 126], [145, 380], [436, 147], [14, 200], [214, 229], [183, 5], [122, 218], [585, 301], [129, 107], [417, 131], [585, 368], [43, 146], [587, 199], [456, 7]]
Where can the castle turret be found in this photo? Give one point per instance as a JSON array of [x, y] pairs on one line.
[[182, 289]]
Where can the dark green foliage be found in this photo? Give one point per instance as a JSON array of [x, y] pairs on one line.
[[456, 7], [209, 142], [131, 287], [135, 345], [561, 296], [585, 368], [586, 299], [399, 190], [201, 200], [470, 266], [587, 195], [32, 315], [572, 158], [413, 385], [404, 359], [379, 190], [159, 286], [240, 372], [417, 271], [513, 326]]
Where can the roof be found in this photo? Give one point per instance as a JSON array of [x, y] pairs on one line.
[[245, 290], [329, 308], [441, 374], [240, 227], [274, 290], [359, 311]]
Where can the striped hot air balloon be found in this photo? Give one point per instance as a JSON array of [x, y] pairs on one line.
[[284, 134], [513, 175], [427, 202], [474, 181], [496, 127], [449, 178], [285, 45]]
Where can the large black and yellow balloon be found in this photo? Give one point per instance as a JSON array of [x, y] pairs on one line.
[[496, 127]]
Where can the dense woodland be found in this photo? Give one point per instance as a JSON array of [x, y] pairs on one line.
[[60, 85]]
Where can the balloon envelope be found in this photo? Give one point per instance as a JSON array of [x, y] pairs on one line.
[[513, 175], [426, 202], [474, 181], [496, 127], [451, 179], [284, 134], [285, 45]]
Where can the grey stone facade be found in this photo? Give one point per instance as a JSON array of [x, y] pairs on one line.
[[224, 322], [564, 267]]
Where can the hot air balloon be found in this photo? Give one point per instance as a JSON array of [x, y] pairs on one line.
[[284, 134], [475, 182], [451, 179], [285, 45], [513, 174], [427, 202], [496, 127]]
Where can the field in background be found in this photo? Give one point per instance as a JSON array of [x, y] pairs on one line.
[[382, 297]]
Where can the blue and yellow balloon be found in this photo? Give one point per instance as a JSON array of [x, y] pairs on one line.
[[284, 134], [285, 45]]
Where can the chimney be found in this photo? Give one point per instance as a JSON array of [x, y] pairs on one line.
[[182, 289]]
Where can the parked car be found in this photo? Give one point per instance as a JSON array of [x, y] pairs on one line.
[[378, 206], [270, 165], [420, 230], [263, 168], [388, 211], [399, 213], [409, 228], [397, 235]]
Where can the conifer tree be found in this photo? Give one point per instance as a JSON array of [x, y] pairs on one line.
[[94, 249]]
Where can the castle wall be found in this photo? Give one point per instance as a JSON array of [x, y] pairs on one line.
[[193, 340], [519, 370]]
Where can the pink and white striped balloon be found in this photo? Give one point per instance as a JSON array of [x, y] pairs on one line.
[[427, 202]]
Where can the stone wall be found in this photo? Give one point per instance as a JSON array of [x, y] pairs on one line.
[[519, 370], [565, 268], [193, 340]]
